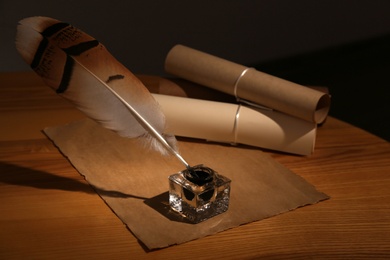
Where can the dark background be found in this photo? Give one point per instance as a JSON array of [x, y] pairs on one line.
[[357, 75], [341, 44]]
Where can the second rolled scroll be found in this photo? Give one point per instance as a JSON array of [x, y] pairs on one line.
[[248, 84]]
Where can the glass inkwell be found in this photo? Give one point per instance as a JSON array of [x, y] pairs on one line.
[[198, 193]]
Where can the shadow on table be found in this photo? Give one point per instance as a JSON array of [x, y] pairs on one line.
[[22, 176]]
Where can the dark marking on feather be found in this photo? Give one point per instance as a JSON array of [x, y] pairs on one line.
[[114, 77], [81, 47], [66, 75], [49, 31], [53, 29], [39, 53]]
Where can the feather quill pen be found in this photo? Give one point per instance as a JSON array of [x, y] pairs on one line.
[[81, 70]]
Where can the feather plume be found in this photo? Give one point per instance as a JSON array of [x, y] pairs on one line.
[[81, 70]]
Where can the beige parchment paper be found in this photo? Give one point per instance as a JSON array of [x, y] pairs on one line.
[[248, 83], [132, 180], [237, 124]]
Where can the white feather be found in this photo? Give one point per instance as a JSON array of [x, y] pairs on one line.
[[93, 80]]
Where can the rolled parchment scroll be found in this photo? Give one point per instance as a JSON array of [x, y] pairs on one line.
[[248, 84], [232, 123]]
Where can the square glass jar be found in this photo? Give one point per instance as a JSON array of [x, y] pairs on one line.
[[199, 193]]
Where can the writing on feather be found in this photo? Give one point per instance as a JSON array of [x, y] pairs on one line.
[[65, 34]]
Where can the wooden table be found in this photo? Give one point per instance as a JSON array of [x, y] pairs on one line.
[[48, 211]]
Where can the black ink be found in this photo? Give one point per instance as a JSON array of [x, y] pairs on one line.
[[206, 196], [199, 177]]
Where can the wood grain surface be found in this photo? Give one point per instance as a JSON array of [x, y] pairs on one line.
[[48, 211]]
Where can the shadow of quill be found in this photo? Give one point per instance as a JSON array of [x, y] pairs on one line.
[[22, 176]]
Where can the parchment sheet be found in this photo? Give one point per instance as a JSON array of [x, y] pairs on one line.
[[231, 123], [248, 84], [132, 180]]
